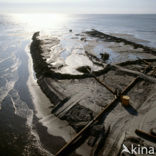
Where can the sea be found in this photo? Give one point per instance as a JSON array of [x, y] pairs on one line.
[[25, 112]]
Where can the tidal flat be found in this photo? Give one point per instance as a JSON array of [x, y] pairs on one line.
[[82, 81]]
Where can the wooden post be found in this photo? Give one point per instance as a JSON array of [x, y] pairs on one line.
[[106, 110]]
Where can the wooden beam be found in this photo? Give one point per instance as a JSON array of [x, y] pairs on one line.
[[136, 73], [146, 135], [103, 84], [105, 111]]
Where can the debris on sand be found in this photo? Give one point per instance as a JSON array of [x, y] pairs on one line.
[[104, 56], [85, 87]]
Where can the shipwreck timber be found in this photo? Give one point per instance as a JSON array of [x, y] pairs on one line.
[[86, 99]]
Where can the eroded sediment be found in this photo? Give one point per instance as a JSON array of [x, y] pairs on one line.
[[78, 97]]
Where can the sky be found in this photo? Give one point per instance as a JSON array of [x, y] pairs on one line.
[[79, 6]]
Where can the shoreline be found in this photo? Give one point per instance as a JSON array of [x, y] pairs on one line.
[[66, 104], [42, 127]]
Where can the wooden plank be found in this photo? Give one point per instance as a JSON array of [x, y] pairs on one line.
[[105, 111], [146, 135], [103, 84], [61, 151], [143, 60]]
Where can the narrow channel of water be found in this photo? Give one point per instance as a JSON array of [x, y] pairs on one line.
[[27, 126]]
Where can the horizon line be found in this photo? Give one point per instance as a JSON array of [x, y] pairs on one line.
[[41, 12]]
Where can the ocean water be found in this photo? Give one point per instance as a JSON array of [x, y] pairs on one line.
[[19, 111]]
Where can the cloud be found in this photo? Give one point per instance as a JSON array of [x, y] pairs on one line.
[[79, 6]]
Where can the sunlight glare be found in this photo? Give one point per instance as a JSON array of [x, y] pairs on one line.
[[42, 21]]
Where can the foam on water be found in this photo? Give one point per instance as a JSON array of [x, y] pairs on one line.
[[15, 35]]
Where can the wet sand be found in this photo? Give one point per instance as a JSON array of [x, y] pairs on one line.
[[52, 132], [77, 97]]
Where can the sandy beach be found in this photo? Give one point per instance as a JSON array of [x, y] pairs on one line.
[[77, 95]]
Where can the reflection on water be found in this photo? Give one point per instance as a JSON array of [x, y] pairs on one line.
[[113, 56], [21, 111], [16, 107], [35, 22]]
